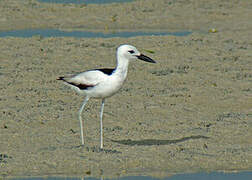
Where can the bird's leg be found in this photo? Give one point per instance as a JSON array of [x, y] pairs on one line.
[[101, 128], [80, 111]]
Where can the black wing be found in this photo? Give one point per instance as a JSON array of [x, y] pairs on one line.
[[80, 86], [107, 71]]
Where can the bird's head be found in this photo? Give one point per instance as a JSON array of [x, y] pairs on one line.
[[131, 53]]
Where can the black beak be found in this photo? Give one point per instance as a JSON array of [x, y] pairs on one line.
[[145, 58]]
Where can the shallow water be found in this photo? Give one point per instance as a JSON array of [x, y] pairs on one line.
[[84, 34], [194, 176], [85, 1]]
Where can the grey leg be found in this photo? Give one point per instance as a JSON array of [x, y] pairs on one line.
[[101, 115], [80, 111]]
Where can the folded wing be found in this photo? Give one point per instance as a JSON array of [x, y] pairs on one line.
[[84, 80]]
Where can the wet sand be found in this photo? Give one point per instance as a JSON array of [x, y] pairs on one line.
[[190, 112]]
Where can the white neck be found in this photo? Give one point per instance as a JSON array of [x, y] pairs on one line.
[[122, 67]]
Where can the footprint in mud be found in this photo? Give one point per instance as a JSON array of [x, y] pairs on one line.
[[4, 157]]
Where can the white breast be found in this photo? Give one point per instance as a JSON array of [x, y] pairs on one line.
[[107, 87]]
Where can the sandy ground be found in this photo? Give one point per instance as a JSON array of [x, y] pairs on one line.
[[190, 112]]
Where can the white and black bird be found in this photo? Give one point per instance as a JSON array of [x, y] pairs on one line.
[[103, 83]]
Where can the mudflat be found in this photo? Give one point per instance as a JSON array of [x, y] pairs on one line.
[[190, 112]]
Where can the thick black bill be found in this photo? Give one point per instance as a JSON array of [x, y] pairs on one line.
[[145, 58]]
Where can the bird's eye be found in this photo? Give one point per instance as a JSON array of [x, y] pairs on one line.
[[131, 51]]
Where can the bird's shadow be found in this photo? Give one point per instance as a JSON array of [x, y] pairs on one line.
[[151, 142]]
